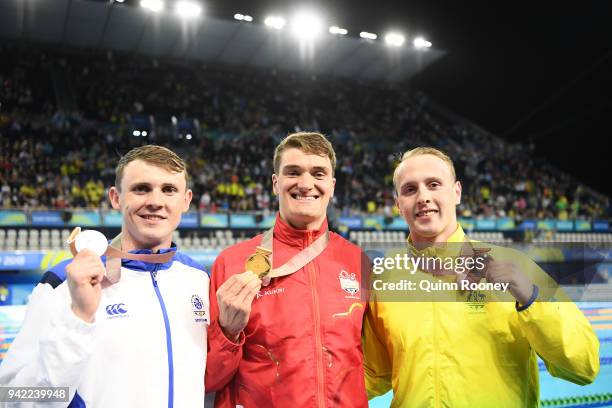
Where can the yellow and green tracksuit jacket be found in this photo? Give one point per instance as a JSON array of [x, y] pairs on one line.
[[476, 353]]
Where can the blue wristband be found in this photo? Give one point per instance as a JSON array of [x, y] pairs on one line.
[[533, 298]]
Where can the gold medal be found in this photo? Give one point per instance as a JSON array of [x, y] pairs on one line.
[[259, 262]]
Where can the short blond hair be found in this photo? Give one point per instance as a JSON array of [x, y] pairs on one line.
[[308, 142], [419, 151], [152, 154]]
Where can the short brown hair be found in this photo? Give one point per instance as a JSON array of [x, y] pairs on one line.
[[419, 151], [308, 142], [152, 154]]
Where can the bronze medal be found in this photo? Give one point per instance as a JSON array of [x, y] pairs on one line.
[[259, 262], [476, 274]]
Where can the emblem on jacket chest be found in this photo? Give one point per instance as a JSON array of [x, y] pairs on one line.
[[198, 309], [475, 301], [349, 283]]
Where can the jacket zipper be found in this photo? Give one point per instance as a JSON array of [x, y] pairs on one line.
[[317, 328], [168, 337], [436, 357]]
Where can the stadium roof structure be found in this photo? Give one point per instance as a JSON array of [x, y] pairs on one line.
[[116, 27]]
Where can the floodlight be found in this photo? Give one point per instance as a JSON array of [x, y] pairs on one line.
[[368, 36], [306, 25], [243, 17], [275, 22], [395, 39], [421, 43], [153, 5], [188, 9], [338, 30]]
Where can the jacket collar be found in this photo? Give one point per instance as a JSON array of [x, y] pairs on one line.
[[441, 249], [289, 235]]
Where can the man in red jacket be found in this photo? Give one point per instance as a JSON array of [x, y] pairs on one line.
[[297, 341]]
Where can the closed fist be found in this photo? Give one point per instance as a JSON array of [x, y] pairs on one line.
[[235, 297], [84, 275]]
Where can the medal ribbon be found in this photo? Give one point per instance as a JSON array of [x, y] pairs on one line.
[[300, 259], [114, 254]]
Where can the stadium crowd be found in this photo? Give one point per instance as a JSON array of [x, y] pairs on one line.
[[66, 116]]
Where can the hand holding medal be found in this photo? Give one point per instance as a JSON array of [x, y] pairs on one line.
[[495, 271], [236, 294], [86, 272], [475, 274], [235, 297], [259, 263], [87, 275]]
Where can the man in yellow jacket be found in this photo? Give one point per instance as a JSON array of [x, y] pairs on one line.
[[458, 348]]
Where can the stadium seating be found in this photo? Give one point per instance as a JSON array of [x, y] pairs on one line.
[[223, 111], [44, 239]]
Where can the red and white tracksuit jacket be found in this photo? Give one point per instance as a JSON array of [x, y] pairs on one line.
[[302, 344]]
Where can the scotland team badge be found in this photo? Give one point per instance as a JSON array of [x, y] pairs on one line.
[[198, 309]]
